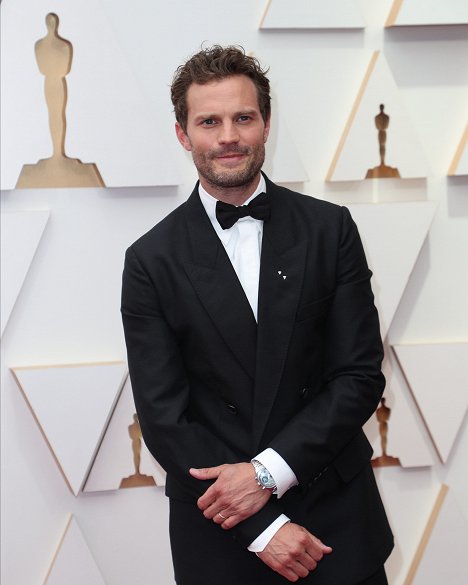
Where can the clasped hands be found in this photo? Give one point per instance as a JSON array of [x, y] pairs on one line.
[[234, 496]]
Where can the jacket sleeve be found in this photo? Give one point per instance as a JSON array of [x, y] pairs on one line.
[[352, 382], [162, 393]]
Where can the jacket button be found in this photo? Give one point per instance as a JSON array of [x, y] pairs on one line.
[[232, 409]]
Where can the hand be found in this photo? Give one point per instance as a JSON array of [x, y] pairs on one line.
[[235, 495], [293, 552]]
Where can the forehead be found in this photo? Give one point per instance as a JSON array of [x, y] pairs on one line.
[[237, 92]]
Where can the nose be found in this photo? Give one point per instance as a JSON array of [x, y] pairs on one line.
[[228, 134]]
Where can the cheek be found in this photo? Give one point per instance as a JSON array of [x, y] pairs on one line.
[[257, 138], [200, 144]]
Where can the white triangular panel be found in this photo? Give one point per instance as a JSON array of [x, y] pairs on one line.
[[358, 150], [303, 14], [21, 233], [283, 162], [73, 404], [445, 537], [114, 460], [428, 12], [393, 234], [111, 120], [459, 165], [437, 374], [408, 496], [407, 438], [73, 563]]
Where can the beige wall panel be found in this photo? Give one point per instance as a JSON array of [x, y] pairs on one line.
[[20, 235], [427, 12], [437, 374], [359, 150], [408, 496], [300, 14], [72, 405], [392, 258], [111, 121], [407, 438], [283, 162], [441, 554], [115, 460], [459, 164], [73, 563]]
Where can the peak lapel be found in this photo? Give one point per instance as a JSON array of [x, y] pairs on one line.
[[281, 277], [217, 286]]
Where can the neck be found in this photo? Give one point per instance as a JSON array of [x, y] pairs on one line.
[[233, 195]]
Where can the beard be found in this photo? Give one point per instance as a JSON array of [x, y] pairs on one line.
[[229, 178]]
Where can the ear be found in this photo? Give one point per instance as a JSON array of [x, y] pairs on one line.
[[266, 130], [182, 137]]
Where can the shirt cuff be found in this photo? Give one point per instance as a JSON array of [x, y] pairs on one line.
[[264, 538], [283, 475]]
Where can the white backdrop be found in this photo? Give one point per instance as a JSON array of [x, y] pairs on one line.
[[119, 117]]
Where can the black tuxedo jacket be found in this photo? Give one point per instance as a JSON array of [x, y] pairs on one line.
[[211, 386]]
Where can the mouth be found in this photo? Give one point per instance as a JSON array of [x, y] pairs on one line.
[[232, 156], [230, 159], [235, 155]]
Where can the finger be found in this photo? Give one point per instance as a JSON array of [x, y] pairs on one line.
[[231, 521], [212, 504], [299, 569], [283, 570], [317, 553], [314, 553], [207, 500], [288, 574], [206, 472], [309, 562], [220, 517], [211, 511]]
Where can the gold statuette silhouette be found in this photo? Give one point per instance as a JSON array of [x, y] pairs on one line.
[[137, 479], [383, 415], [382, 120], [54, 57]]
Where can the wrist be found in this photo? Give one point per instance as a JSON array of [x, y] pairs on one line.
[[263, 477]]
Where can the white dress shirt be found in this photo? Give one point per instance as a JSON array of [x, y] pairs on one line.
[[243, 244]]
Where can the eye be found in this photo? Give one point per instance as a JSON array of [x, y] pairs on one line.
[[244, 118], [208, 122]]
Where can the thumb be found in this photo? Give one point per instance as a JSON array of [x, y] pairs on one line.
[[206, 472], [325, 548]]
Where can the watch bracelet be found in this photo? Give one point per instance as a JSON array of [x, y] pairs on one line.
[[258, 466]]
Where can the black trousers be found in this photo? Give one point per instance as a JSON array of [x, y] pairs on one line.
[[204, 554]]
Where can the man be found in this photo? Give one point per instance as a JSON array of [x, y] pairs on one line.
[[255, 339]]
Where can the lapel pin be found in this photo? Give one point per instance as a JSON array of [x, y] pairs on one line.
[[279, 272], [284, 277]]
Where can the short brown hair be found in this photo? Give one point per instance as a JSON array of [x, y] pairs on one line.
[[213, 64]]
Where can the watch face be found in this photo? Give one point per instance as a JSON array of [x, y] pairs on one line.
[[266, 479]]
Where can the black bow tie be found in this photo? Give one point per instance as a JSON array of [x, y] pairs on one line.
[[258, 208]]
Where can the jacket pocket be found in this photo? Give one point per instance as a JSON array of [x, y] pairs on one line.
[[315, 309]]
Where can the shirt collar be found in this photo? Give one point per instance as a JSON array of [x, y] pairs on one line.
[[209, 202]]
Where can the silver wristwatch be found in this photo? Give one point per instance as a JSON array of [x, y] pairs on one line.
[[264, 478]]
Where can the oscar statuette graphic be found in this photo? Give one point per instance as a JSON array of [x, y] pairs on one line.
[[137, 479], [54, 58], [383, 415], [382, 121]]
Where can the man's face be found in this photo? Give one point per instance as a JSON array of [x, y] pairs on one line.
[[225, 132]]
